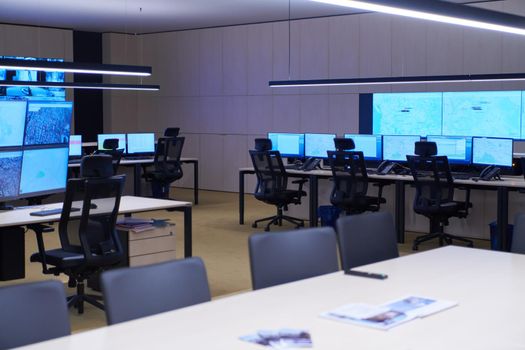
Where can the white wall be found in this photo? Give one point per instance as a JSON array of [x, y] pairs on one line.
[[214, 82]]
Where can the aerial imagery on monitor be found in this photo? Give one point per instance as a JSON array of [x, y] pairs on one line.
[[47, 124], [10, 165]]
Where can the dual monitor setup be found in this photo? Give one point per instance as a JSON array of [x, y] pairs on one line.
[[460, 150], [34, 138], [133, 144]]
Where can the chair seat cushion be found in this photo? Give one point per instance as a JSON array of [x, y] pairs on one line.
[[60, 258], [281, 197]]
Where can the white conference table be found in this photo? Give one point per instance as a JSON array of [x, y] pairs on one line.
[[488, 285]]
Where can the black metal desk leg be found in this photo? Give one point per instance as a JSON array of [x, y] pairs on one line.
[[503, 217], [313, 200], [400, 211], [137, 172], [187, 233], [196, 182], [241, 197]]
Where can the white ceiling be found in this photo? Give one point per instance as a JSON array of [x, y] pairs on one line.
[[146, 16]]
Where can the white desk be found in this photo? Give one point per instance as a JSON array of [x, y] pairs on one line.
[[510, 183], [128, 205], [488, 285]]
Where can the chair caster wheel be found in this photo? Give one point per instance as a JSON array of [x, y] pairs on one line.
[[254, 225]]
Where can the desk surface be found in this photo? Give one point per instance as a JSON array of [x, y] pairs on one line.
[[128, 204], [488, 285]]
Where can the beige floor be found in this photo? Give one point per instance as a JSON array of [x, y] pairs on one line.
[[217, 238]]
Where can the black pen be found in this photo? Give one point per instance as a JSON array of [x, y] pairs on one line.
[[379, 276]]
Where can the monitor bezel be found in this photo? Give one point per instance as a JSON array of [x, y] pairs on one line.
[[140, 153], [456, 161], [498, 138], [289, 155]]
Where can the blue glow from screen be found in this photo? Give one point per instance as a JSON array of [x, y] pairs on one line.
[[370, 145], [317, 145], [397, 147], [492, 151], [288, 144]]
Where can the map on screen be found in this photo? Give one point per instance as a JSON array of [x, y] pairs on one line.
[[482, 113], [288, 144], [12, 122], [316, 145], [396, 147], [457, 149], [48, 123], [10, 166], [492, 151], [370, 145], [407, 113], [44, 170]]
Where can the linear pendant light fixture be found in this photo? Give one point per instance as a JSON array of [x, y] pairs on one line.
[[441, 11], [91, 86], [73, 67], [433, 10]]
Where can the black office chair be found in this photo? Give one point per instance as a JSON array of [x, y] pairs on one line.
[[91, 244], [31, 313], [272, 184], [171, 132], [111, 147], [435, 193], [292, 255], [136, 292], [167, 167], [350, 179], [366, 238]]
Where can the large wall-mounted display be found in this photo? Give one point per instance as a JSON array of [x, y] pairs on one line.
[[477, 113], [33, 92], [34, 141]]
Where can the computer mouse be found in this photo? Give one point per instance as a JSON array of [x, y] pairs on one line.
[[93, 206]]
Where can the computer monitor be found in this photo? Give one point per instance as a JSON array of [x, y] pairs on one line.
[[75, 146], [370, 145], [492, 151], [10, 166], [121, 140], [397, 147], [12, 123], [44, 171], [316, 145], [288, 144], [458, 149], [140, 143], [48, 123]]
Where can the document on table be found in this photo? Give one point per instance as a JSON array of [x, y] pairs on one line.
[[390, 314]]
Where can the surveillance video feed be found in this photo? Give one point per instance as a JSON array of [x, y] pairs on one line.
[[10, 166], [48, 123]]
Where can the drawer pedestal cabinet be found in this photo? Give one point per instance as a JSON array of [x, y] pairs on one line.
[[149, 247]]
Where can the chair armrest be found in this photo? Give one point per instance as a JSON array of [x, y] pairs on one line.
[[300, 182], [39, 229]]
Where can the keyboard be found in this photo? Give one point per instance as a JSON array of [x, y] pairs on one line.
[[138, 157], [75, 161], [47, 212], [462, 176]]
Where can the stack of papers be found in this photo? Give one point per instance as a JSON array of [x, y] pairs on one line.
[[284, 338], [135, 224], [390, 314]]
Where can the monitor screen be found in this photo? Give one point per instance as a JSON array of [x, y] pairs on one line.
[[289, 145], [370, 145], [397, 147], [121, 140], [75, 145], [48, 123], [492, 151], [10, 166], [141, 143], [43, 171], [316, 145], [12, 122], [458, 149]]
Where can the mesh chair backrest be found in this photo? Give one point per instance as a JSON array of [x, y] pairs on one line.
[[366, 238], [270, 171], [171, 132], [167, 156], [349, 175], [292, 255], [32, 312], [95, 235], [433, 181], [158, 288]]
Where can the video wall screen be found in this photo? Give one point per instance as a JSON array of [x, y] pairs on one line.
[[478, 113], [32, 92]]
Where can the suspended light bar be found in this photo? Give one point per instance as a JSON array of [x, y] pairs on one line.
[[441, 11], [73, 67], [96, 86], [402, 80]]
